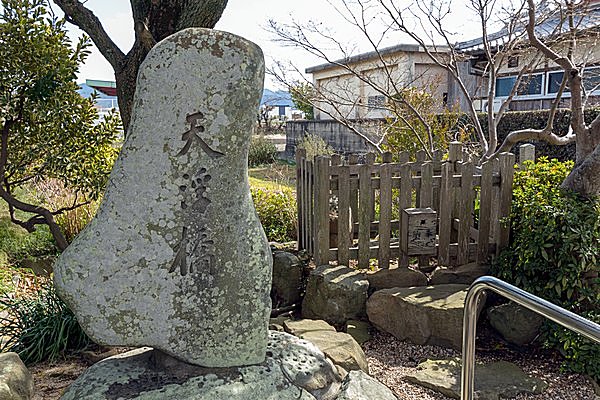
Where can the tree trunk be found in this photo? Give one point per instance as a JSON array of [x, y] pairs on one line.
[[585, 176], [153, 20]]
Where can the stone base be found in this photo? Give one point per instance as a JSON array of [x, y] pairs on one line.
[[293, 369]]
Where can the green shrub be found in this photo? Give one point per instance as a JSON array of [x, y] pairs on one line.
[[262, 151], [315, 146], [555, 252], [277, 213], [39, 327]]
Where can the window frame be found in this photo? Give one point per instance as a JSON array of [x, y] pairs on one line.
[[523, 96]]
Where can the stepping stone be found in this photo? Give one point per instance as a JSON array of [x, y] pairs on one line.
[[493, 381]]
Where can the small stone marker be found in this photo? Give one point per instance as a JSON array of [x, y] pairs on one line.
[[418, 227], [176, 258]]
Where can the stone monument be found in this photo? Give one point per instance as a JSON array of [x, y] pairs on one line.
[[176, 258]]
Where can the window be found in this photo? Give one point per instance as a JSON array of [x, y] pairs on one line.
[[530, 85], [376, 101], [505, 85], [554, 81], [591, 79]]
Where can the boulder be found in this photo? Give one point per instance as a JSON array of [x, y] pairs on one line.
[[422, 315], [493, 381], [16, 382], [293, 369], [515, 323], [176, 257], [395, 277], [335, 294], [464, 274], [340, 347], [359, 386], [286, 288], [302, 326]]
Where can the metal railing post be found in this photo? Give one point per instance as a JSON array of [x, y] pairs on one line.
[[540, 306]]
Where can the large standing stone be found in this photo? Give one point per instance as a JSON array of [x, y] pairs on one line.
[[335, 294], [16, 382], [422, 315], [176, 257]]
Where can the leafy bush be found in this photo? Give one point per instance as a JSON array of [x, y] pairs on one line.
[[315, 146], [17, 245], [262, 151], [277, 213], [39, 327], [555, 252]]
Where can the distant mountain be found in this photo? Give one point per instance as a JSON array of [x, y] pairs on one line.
[[277, 98]]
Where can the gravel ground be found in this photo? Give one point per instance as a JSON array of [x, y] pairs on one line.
[[391, 359]]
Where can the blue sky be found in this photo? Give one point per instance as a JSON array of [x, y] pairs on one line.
[[246, 18]]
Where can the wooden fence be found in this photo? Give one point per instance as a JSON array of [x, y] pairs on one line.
[[391, 211]]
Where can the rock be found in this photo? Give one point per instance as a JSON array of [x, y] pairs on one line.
[[293, 369], [359, 330], [16, 383], [422, 315], [302, 326], [464, 274], [494, 381], [176, 258], [286, 288], [276, 324], [340, 347], [516, 324], [395, 277], [335, 294], [359, 386]]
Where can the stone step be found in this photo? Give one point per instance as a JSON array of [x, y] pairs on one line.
[[422, 314]]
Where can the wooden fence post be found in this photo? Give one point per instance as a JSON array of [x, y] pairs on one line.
[[322, 185], [404, 201], [507, 171], [353, 160], [365, 207]]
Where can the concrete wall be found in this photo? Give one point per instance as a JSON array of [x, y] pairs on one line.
[[338, 136]]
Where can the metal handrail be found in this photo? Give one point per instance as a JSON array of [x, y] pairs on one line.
[[553, 312]]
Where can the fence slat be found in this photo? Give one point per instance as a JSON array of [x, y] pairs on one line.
[[385, 215], [507, 162], [445, 214], [465, 212], [364, 215], [310, 203], [353, 160], [344, 223], [370, 160], [300, 154], [321, 210], [485, 205], [404, 201], [426, 191]]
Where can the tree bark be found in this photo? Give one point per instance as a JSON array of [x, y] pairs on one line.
[[154, 20]]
